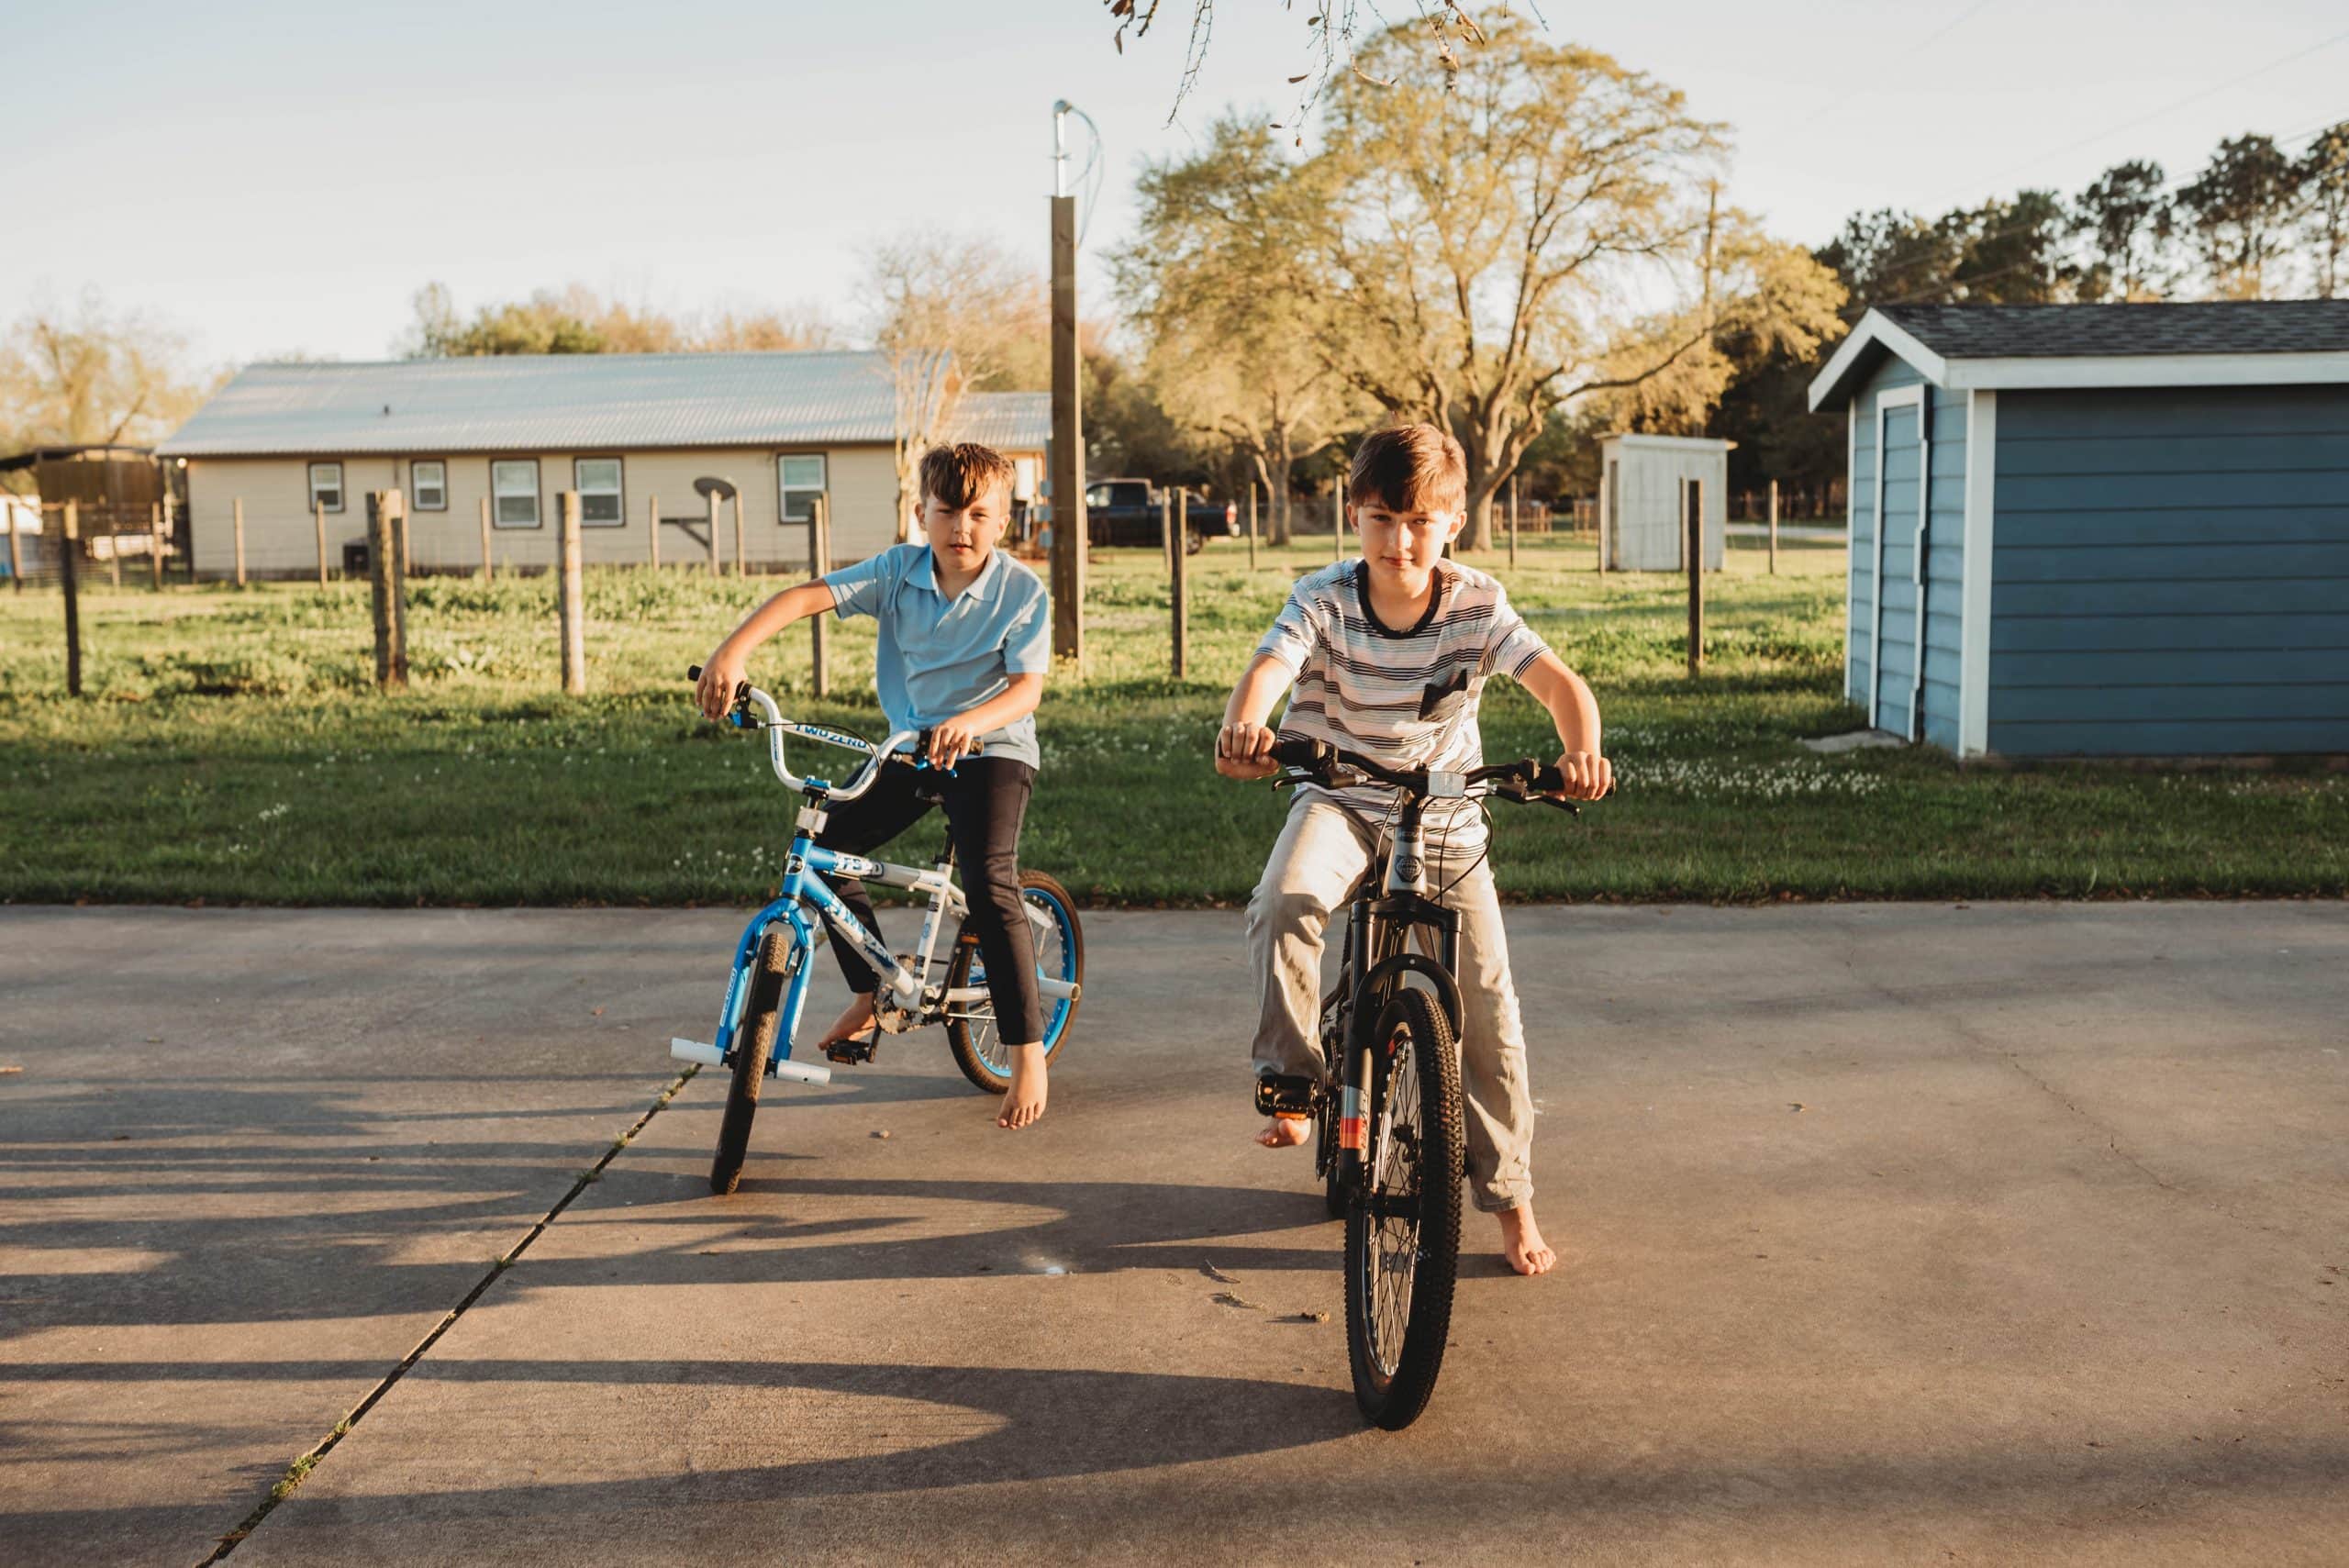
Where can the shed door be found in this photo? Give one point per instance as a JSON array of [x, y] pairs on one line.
[[1892, 699]]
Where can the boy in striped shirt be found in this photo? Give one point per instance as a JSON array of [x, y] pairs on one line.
[[1388, 656]]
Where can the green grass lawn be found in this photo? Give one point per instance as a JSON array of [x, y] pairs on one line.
[[230, 750]]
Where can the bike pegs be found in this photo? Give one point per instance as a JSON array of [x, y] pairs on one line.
[[1284, 1093]]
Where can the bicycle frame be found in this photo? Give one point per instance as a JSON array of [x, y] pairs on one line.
[[804, 898], [1378, 927], [911, 999]]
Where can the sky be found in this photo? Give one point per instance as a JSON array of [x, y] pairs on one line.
[[272, 178]]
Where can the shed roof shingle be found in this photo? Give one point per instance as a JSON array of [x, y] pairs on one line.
[[2044, 331]]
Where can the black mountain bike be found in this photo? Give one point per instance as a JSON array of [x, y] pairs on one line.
[[1390, 1132]]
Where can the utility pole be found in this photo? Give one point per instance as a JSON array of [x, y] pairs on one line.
[[1069, 529]]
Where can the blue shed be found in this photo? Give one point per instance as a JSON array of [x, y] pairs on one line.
[[2099, 531]]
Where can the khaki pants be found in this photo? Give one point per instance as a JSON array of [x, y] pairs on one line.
[[1322, 851]]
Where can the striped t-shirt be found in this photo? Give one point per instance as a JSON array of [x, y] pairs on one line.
[[1406, 697]]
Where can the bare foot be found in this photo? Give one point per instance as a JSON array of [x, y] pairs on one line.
[[855, 1019], [1285, 1133], [1522, 1242], [1024, 1101]]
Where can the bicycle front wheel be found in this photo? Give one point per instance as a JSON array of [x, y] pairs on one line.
[[753, 1043], [971, 1029], [1403, 1226]]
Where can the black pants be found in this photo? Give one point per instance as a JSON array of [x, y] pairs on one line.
[[986, 799]]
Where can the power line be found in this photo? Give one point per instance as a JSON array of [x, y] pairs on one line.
[[1829, 103], [2167, 109]]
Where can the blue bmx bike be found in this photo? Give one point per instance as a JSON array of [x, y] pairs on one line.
[[768, 991]]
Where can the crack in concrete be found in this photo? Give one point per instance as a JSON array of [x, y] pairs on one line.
[[307, 1462], [1982, 1045]]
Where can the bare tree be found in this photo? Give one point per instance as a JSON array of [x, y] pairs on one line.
[[85, 377], [1331, 27], [951, 313]]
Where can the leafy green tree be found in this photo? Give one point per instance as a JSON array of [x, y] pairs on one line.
[[1479, 232], [1233, 353], [1886, 256], [2238, 214], [2324, 185], [2125, 223], [577, 320], [2013, 251]]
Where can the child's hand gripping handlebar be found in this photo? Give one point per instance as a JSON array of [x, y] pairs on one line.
[[1529, 778], [748, 696]]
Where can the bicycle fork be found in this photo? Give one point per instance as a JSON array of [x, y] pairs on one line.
[[1361, 1141]]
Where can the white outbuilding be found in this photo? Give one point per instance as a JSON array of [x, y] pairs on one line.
[[1646, 485]]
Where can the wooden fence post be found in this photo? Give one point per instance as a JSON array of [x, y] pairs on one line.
[[1512, 519], [488, 566], [1179, 596], [155, 544], [318, 515], [238, 511], [1692, 497], [741, 568], [172, 521], [712, 500], [15, 550], [388, 588], [571, 607], [653, 529], [1252, 524], [1773, 527], [407, 552], [69, 577], [114, 554], [819, 562]]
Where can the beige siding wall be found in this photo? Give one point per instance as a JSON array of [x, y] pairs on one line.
[[279, 539]]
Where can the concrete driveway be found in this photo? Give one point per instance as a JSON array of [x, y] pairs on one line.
[[1892, 1233]]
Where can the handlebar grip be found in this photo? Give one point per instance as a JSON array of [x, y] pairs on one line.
[[693, 673], [1303, 753], [1547, 781]]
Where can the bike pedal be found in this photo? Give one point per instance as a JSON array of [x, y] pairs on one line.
[[850, 1051], [1281, 1094]]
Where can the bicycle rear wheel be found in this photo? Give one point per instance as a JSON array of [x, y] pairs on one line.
[[1403, 1228], [753, 1043], [971, 1029]]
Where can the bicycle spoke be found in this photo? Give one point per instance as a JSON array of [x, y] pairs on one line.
[[1394, 1200]]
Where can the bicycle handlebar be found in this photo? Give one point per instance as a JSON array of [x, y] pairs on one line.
[[747, 696], [1528, 778]]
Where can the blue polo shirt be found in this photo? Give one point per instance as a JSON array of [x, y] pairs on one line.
[[939, 657]]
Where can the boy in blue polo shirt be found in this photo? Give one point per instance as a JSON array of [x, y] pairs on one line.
[[964, 645]]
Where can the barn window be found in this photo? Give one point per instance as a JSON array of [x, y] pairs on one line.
[[431, 482], [798, 481], [515, 485], [325, 486], [597, 480]]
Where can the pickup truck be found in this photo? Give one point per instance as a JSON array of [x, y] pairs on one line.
[[1125, 511]]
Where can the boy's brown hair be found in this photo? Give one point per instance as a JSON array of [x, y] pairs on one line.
[[960, 475], [1410, 468]]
